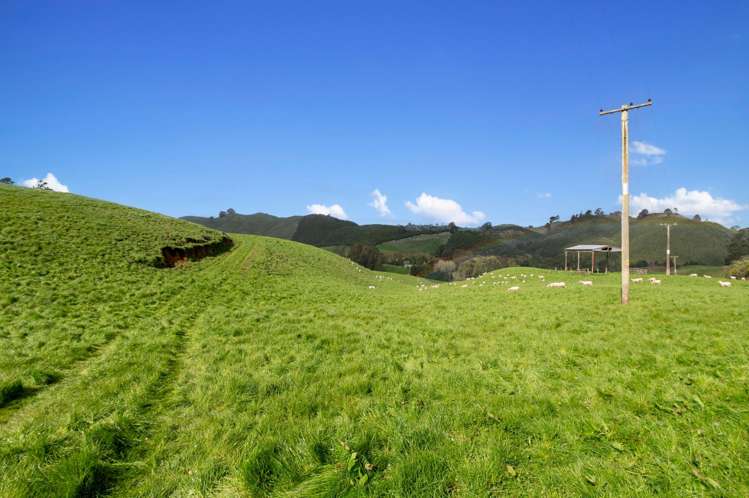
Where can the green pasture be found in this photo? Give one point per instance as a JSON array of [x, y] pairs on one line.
[[280, 369]]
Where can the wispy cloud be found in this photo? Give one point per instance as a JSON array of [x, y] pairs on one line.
[[51, 181], [380, 202], [646, 154], [691, 202], [444, 210], [334, 210], [544, 195]]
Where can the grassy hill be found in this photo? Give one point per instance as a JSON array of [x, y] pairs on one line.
[[280, 369], [257, 224], [429, 243], [695, 242], [315, 229]]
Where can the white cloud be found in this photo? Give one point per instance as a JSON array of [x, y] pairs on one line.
[[334, 210], [691, 202], [380, 202], [544, 195], [444, 210], [647, 154], [51, 180]]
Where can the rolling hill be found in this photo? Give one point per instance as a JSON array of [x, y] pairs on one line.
[[695, 242], [257, 224], [280, 369], [314, 229]]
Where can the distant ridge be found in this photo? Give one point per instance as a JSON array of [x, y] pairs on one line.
[[693, 241], [314, 229]]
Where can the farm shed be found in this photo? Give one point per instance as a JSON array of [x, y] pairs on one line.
[[592, 249]]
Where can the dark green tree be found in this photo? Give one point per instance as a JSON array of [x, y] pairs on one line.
[[366, 255], [6, 180], [739, 245]]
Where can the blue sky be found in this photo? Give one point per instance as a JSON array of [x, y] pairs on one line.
[[466, 110]]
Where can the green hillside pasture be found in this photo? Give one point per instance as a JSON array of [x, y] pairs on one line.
[[428, 243], [693, 241], [279, 369], [75, 273], [395, 269]]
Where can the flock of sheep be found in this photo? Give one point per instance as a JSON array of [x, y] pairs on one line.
[[503, 279]]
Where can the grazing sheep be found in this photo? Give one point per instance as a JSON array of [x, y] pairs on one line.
[[693, 275], [556, 285], [707, 276], [513, 289], [724, 284], [637, 280], [587, 283], [733, 277], [371, 286], [655, 281]]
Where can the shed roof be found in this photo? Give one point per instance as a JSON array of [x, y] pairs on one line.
[[593, 247]]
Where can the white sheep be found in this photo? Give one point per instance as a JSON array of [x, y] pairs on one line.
[[707, 276], [655, 281], [587, 283], [724, 284], [693, 275], [637, 280], [513, 289], [371, 286], [557, 285], [733, 277]]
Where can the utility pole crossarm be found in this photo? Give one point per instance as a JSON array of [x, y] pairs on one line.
[[626, 107]]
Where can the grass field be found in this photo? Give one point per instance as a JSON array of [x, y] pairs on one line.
[[279, 369]]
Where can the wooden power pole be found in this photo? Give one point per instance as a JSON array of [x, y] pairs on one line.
[[624, 110], [668, 245]]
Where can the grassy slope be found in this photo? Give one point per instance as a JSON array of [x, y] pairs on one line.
[[425, 243], [65, 279], [276, 368], [702, 242]]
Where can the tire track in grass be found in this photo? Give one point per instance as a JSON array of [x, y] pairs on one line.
[[165, 400], [97, 448], [57, 378], [53, 376]]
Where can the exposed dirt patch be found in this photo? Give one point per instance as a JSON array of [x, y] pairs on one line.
[[171, 256]]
